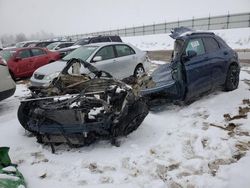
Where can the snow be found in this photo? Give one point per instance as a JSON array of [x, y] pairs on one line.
[[9, 177], [236, 38], [175, 146], [9, 169]]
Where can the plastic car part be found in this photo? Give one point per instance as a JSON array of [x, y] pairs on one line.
[[10, 177], [79, 109]]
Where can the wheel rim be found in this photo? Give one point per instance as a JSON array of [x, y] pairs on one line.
[[139, 72], [234, 77]]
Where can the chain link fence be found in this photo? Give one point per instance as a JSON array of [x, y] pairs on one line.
[[228, 21]]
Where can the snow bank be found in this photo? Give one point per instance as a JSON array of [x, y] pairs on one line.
[[236, 38]]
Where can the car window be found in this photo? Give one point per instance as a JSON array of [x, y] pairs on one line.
[[95, 40], [82, 53], [124, 50], [104, 39], [7, 54], [196, 45], [106, 53], [68, 44], [115, 38], [211, 44], [37, 52], [24, 54]]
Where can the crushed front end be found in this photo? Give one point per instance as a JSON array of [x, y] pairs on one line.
[[79, 109]]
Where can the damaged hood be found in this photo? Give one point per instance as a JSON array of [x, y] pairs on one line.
[[162, 78]]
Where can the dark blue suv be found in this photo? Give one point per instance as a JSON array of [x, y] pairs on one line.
[[201, 62]]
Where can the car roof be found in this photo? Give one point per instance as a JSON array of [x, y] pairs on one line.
[[23, 48], [184, 33], [100, 44]]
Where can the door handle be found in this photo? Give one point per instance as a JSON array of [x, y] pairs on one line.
[[114, 60], [225, 53]]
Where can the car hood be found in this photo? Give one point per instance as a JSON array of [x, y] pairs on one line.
[[56, 66], [162, 77]]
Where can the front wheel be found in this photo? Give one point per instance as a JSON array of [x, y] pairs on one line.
[[139, 71], [232, 80]]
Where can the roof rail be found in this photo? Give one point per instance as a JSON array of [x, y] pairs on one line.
[[202, 32]]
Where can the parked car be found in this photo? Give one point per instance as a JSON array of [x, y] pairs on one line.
[[26, 44], [119, 59], [44, 44], [22, 62], [58, 45], [201, 62], [7, 85], [89, 40]]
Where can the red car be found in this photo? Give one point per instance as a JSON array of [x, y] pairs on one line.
[[22, 62]]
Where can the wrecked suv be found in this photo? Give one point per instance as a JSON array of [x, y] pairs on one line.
[[78, 109], [201, 62]]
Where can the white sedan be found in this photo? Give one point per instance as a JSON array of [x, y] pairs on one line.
[[119, 59]]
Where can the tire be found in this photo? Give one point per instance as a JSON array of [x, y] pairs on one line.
[[139, 71], [232, 80], [23, 115]]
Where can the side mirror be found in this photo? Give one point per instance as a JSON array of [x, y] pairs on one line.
[[191, 53], [97, 58], [17, 59]]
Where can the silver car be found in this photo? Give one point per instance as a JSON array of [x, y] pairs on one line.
[[119, 59], [7, 85]]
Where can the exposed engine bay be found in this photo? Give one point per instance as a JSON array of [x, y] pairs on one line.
[[79, 109]]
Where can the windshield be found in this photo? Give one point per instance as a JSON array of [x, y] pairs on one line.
[[82, 42], [20, 44], [82, 53], [6, 54], [52, 45], [177, 48]]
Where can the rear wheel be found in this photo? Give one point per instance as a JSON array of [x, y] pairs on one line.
[[232, 80], [139, 71]]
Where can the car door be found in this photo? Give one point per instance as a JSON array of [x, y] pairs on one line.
[[24, 63], [108, 60], [216, 59], [40, 58], [197, 68], [126, 60]]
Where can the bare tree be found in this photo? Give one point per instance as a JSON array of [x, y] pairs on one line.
[[20, 37]]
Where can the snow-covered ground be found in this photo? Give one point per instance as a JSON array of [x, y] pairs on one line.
[[236, 38], [177, 146]]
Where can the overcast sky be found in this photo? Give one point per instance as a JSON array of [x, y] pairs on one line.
[[82, 16]]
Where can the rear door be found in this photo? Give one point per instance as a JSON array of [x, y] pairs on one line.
[[217, 60], [126, 60], [197, 69], [40, 57], [25, 63]]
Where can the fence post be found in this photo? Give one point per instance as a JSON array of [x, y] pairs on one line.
[[228, 16], [134, 30], [193, 22], [165, 27], [178, 23], [208, 26], [143, 30], [249, 21], [154, 28], [125, 32]]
